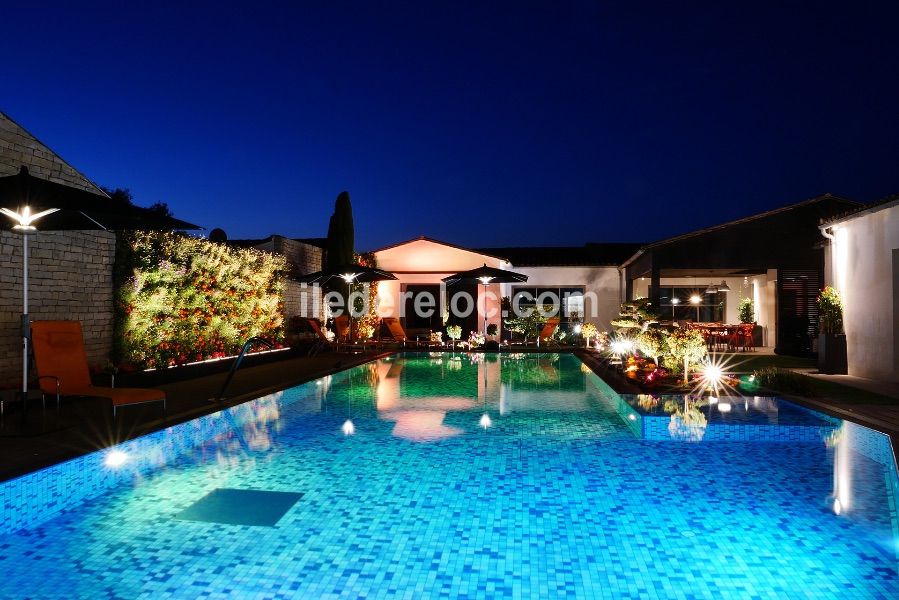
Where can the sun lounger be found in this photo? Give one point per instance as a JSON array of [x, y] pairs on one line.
[[62, 367]]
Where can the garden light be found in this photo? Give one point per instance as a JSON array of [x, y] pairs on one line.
[[25, 219]]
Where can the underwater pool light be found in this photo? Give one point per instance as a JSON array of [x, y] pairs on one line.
[[348, 428], [485, 421], [115, 459]]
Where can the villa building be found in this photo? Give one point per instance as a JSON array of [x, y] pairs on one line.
[[773, 258]]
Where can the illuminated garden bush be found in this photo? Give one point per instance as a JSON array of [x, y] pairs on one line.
[[181, 299]]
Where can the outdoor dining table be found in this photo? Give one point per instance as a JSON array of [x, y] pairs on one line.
[[721, 336]]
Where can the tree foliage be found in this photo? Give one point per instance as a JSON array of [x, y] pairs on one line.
[[687, 346], [633, 315], [529, 323], [341, 233], [652, 342]]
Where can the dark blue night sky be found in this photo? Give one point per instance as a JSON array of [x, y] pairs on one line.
[[478, 123]]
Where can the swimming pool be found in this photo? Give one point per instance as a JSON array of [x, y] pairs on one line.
[[555, 493]]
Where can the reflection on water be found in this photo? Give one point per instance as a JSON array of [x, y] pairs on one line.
[[687, 421], [417, 393]]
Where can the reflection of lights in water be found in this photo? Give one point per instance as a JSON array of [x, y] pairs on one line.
[[115, 459], [348, 428], [724, 407], [842, 465], [485, 421]]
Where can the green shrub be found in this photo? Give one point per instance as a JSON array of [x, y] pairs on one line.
[[830, 311], [784, 381]]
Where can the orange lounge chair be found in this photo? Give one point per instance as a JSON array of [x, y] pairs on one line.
[[549, 328], [62, 366], [321, 341], [396, 330], [342, 325]]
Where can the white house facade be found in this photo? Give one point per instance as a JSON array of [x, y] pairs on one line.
[[862, 263]]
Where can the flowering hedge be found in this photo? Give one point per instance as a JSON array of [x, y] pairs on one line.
[[181, 299]]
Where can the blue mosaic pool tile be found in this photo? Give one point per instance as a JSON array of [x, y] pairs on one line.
[[557, 498]]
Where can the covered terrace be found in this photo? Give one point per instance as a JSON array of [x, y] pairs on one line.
[[772, 258]]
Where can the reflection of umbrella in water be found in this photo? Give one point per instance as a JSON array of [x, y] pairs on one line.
[[350, 274], [28, 200], [485, 276]]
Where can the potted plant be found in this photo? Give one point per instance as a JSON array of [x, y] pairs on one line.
[[831, 339], [746, 312], [454, 332]]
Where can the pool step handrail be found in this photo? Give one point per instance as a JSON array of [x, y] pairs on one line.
[[234, 366]]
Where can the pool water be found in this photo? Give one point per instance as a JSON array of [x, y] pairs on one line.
[[554, 494]]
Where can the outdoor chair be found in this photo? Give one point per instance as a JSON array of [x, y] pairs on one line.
[[62, 367], [321, 340], [549, 328], [343, 333], [396, 330], [746, 338]]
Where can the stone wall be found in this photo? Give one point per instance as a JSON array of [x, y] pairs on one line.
[[303, 259], [70, 278]]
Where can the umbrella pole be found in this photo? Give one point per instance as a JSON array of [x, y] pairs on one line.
[[485, 313], [25, 323]]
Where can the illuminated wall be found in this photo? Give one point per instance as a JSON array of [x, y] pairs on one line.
[[425, 261], [863, 257]]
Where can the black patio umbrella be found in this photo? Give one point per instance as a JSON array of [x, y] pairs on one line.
[[28, 200], [350, 274], [486, 275]]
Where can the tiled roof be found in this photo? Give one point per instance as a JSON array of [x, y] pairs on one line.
[[19, 148], [592, 254], [887, 202]]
